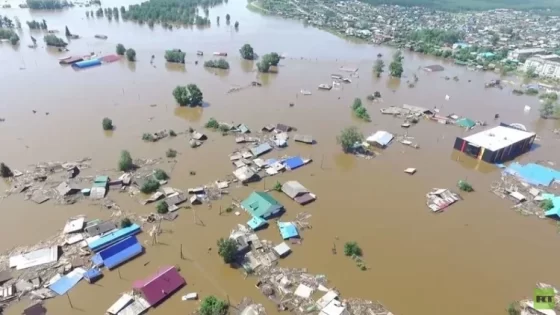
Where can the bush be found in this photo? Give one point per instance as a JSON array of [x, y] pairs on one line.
[[546, 204], [370, 97], [14, 39], [220, 64], [175, 55], [160, 174], [549, 96], [147, 137], [52, 40], [227, 249], [513, 309], [107, 124], [5, 171], [362, 114], [532, 91], [212, 123], [377, 94], [125, 222], [162, 207], [131, 54], [277, 186], [352, 249], [172, 133], [125, 162], [120, 49], [464, 186], [150, 186], [213, 306], [267, 61], [171, 153], [348, 138]]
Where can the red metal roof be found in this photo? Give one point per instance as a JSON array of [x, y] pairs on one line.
[[161, 285], [110, 58]]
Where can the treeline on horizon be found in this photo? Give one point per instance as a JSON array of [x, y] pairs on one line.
[[47, 4], [172, 11], [475, 5]]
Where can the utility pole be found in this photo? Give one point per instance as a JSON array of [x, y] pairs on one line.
[[69, 301]]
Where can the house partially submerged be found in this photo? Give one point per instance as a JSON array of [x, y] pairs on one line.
[[380, 138], [159, 286], [35, 258], [303, 139], [439, 199], [261, 204], [288, 230], [534, 174], [245, 174], [497, 144], [67, 188], [261, 149], [298, 192]]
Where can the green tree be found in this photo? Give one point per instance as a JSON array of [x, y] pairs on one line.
[[150, 186], [160, 174], [227, 249], [67, 32], [213, 306], [189, 95], [125, 222], [267, 61], [356, 104], [5, 171], [465, 186], [218, 20], [547, 109], [18, 23], [348, 138], [247, 52], [546, 204], [171, 153], [162, 207], [107, 124], [175, 55], [378, 67], [14, 39], [131, 54], [362, 113], [52, 40], [212, 124], [121, 50], [530, 73], [236, 25], [396, 67], [274, 58], [220, 64], [352, 249], [125, 162], [513, 309], [227, 18], [447, 54], [34, 41]]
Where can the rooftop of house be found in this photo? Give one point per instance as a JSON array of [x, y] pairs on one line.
[[498, 137]]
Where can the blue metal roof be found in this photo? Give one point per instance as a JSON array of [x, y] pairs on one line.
[[534, 174], [92, 275], [87, 63], [288, 230], [555, 211], [65, 283], [121, 252], [256, 222], [294, 162], [111, 238]]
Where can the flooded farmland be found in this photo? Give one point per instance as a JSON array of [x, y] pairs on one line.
[[474, 258]]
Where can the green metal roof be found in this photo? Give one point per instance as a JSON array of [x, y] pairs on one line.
[[260, 204], [101, 179], [466, 122]]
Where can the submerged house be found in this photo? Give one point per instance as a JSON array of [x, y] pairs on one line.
[[497, 144], [159, 286], [298, 192], [262, 205], [261, 149], [380, 138]]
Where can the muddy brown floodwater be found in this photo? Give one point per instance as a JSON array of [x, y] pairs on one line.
[[474, 258]]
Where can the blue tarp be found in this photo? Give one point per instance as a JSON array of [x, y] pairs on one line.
[[294, 162], [112, 238], [555, 211], [288, 230], [87, 63], [64, 284], [534, 174], [256, 223], [120, 252], [93, 275]]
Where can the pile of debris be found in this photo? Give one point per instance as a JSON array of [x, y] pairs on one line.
[[526, 198]]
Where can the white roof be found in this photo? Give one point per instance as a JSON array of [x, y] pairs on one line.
[[34, 258], [303, 291], [282, 249], [326, 299], [333, 308], [498, 137]]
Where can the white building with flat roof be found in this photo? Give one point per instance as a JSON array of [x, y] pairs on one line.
[[547, 66], [496, 145]]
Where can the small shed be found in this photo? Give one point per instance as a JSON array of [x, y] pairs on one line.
[[242, 128], [256, 222], [283, 128], [303, 139], [66, 188], [465, 123], [282, 249], [293, 189], [245, 174], [159, 286], [288, 230]]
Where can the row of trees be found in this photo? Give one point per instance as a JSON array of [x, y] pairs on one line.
[[10, 35], [272, 59], [170, 11], [436, 36], [6, 22], [396, 66], [47, 4], [37, 25], [175, 55], [130, 53], [53, 40]]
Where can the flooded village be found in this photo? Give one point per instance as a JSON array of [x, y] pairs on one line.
[[316, 188]]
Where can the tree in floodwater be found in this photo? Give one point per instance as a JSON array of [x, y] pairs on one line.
[[120, 49], [34, 41], [67, 32], [348, 138], [218, 20], [378, 67], [131, 54], [396, 66], [228, 18], [5, 171], [247, 52], [236, 25]]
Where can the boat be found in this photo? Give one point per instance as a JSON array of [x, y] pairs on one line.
[[223, 54], [325, 87]]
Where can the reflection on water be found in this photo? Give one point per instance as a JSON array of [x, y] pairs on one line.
[[177, 67], [131, 66], [247, 65], [108, 133], [344, 162], [190, 114], [393, 83], [221, 73], [471, 163]]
